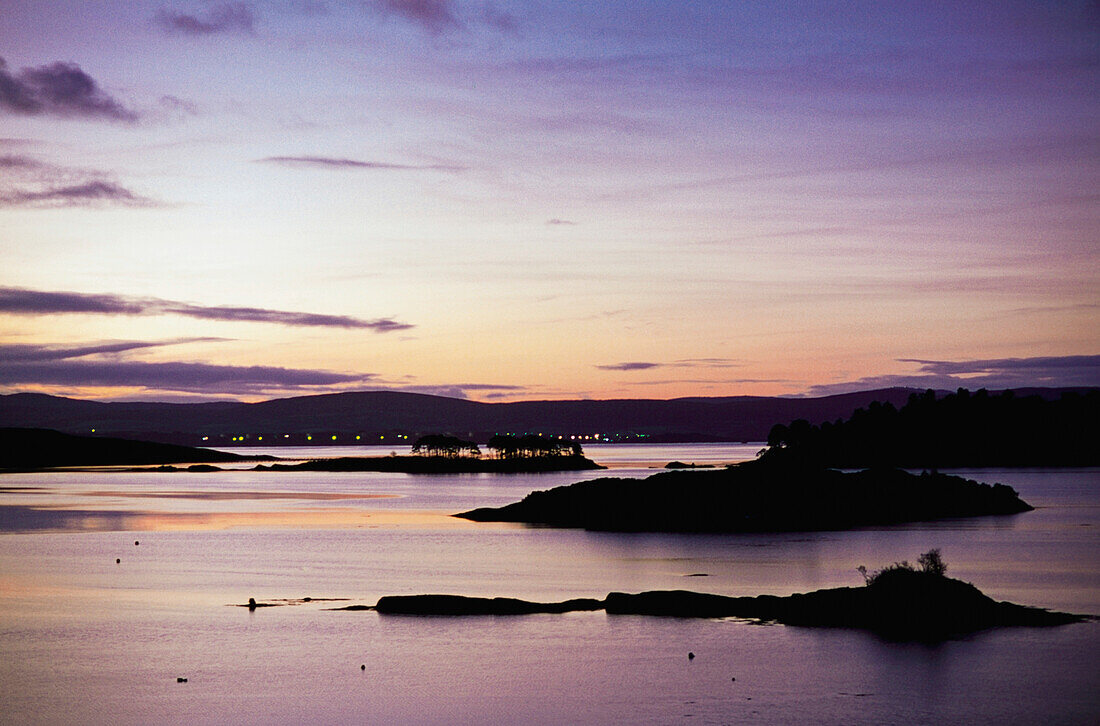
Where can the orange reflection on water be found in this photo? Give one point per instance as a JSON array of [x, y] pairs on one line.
[[73, 520], [227, 495]]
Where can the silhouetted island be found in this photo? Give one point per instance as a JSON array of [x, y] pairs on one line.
[[440, 464], [899, 603], [22, 449], [757, 496]]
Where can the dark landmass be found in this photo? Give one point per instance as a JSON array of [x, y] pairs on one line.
[[757, 496], [958, 430], [29, 449], [900, 604], [440, 464], [192, 468], [682, 465], [461, 605], [379, 417]]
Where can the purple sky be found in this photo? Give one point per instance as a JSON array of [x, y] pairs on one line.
[[509, 200]]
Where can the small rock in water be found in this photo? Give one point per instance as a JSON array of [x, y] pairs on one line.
[[691, 656], [181, 680], [733, 679], [363, 667], [136, 543], [118, 561], [251, 603]]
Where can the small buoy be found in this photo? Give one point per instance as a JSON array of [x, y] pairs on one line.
[[363, 667], [136, 543], [117, 561], [733, 679], [181, 680], [691, 656]]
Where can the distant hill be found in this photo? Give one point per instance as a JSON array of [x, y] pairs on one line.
[[381, 416]]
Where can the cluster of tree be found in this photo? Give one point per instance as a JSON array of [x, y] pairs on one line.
[[959, 429], [507, 446], [930, 563], [450, 447]]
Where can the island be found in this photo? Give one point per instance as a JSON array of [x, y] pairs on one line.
[[900, 602], [764, 495], [439, 464]]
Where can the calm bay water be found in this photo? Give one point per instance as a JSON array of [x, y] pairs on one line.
[[86, 640]]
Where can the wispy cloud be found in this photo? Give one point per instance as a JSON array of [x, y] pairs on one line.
[[630, 366], [556, 222], [91, 193], [58, 89], [31, 182], [996, 373], [682, 363], [329, 162], [434, 16], [39, 302], [24, 353], [224, 18]]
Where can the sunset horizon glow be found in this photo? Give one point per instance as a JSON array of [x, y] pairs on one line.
[[505, 200]]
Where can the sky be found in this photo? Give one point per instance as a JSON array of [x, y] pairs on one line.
[[505, 200]]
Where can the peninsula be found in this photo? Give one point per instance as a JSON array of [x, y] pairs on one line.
[[29, 449]]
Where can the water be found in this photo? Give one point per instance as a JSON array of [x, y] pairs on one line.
[[83, 639]]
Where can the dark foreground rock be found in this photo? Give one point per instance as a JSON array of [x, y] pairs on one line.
[[23, 449], [901, 605], [441, 464], [757, 496]]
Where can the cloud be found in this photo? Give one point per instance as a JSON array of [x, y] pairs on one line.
[[58, 89], [173, 376], [631, 366], [327, 162], [1032, 366], [225, 18], [435, 16], [89, 193], [14, 161], [21, 301], [31, 182], [23, 353], [556, 222], [682, 363], [261, 315], [995, 374]]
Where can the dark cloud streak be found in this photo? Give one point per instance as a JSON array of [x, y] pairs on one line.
[[27, 353], [175, 376], [21, 301], [327, 162]]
